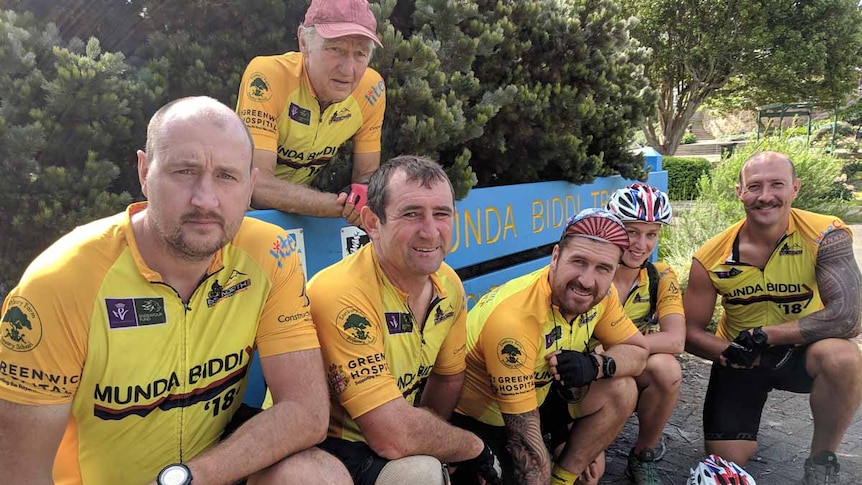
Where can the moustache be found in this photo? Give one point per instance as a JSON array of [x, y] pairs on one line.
[[203, 217]]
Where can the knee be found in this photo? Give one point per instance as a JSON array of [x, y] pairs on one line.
[[309, 466], [416, 469], [662, 371], [836, 358], [622, 392]]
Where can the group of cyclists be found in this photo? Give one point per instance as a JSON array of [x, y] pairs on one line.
[[126, 344]]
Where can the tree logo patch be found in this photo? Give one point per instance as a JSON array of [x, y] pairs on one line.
[[21, 327]]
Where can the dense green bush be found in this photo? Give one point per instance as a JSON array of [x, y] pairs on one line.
[[683, 174], [688, 139]]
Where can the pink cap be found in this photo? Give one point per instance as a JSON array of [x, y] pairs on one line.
[[340, 18]]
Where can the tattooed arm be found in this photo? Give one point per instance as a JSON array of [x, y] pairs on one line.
[[840, 283], [529, 454]]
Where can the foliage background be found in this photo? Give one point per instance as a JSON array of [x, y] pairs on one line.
[[500, 92]]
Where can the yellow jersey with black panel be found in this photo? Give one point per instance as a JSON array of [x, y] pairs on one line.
[[374, 348], [784, 290], [278, 104], [510, 332], [668, 298], [151, 380]]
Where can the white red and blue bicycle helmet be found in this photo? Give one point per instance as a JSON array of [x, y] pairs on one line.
[[715, 470], [640, 203]]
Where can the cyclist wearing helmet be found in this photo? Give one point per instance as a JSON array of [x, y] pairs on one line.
[[651, 298], [790, 289]]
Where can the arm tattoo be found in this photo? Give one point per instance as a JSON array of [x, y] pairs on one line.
[[529, 454], [840, 283]]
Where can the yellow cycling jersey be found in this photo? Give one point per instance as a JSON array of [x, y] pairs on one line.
[[510, 332], [374, 348], [279, 106], [151, 380], [784, 290], [668, 298]]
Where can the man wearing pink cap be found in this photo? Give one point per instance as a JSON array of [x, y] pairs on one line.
[[533, 392], [300, 107]]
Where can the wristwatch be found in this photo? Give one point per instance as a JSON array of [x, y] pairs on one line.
[[609, 366], [175, 474], [759, 337]]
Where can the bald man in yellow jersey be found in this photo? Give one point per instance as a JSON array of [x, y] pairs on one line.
[[790, 289], [302, 106], [529, 370], [126, 344]]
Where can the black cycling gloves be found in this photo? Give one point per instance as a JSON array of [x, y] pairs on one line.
[[576, 369], [486, 465], [745, 348]]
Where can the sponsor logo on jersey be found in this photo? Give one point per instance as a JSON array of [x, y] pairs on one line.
[[258, 88], [723, 275], [135, 312], [32, 379], [215, 376], [21, 327], [398, 322], [217, 293], [640, 299], [790, 250], [364, 368], [299, 114], [375, 92], [340, 115], [511, 353], [410, 382], [338, 379], [774, 292], [586, 318], [836, 224], [355, 327], [673, 288], [555, 334], [441, 316], [283, 247]]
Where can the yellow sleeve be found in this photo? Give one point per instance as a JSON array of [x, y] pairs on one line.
[[510, 352], [351, 334], [44, 331], [614, 326], [367, 139], [263, 93], [285, 323], [669, 298]]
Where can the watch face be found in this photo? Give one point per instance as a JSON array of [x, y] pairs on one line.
[[610, 366], [175, 475]]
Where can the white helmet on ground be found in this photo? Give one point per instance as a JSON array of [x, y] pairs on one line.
[[640, 203], [715, 470]]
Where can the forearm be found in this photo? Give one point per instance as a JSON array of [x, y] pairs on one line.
[[671, 337], [280, 431], [700, 342], [441, 393], [530, 457], [418, 431], [630, 359], [272, 193]]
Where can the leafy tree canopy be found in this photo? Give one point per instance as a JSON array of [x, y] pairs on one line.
[[772, 51]]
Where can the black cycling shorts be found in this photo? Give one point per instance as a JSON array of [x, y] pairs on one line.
[[363, 464], [735, 397]]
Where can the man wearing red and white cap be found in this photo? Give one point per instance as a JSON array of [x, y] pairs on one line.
[[546, 406], [300, 107]]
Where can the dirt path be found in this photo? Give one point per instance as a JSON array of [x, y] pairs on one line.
[[785, 432]]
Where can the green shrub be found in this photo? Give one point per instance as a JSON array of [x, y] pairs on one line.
[[688, 139], [683, 174]]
